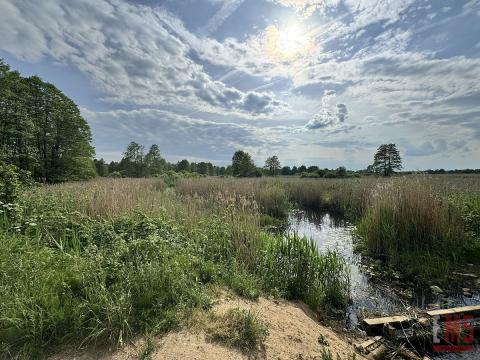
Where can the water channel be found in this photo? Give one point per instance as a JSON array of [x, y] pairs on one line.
[[370, 292]]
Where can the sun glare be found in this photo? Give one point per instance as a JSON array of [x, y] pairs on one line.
[[291, 40], [287, 43]]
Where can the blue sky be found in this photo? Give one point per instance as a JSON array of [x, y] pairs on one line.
[[319, 82]]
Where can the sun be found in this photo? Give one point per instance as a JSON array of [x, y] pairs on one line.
[[291, 40], [287, 43]]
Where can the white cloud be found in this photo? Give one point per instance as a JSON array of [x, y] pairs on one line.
[[135, 54], [227, 9], [331, 113]]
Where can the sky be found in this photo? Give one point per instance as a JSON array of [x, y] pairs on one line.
[[316, 82]]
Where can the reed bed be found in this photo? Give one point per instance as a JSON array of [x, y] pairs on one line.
[[410, 222], [406, 215]]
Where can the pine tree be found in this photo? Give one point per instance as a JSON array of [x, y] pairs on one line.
[[387, 159]]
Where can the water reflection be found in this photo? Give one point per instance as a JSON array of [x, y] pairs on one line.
[[330, 232], [370, 294]]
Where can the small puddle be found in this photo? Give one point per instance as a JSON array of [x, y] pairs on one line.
[[370, 293]]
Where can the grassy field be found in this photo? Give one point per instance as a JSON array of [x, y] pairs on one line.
[[101, 261]]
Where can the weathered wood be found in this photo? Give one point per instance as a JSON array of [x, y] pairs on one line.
[[366, 346], [452, 311], [386, 320]]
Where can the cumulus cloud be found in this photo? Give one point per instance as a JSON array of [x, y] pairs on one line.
[[133, 53], [331, 113]]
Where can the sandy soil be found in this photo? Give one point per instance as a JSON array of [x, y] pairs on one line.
[[293, 334]]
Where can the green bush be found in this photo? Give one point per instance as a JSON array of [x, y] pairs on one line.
[[9, 183]]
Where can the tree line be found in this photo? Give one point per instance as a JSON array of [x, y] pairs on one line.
[[136, 162], [41, 130]]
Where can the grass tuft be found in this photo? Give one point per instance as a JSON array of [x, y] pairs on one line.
[[237, 328]]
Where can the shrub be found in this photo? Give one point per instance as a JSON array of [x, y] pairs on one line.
[[9, 183], [115, 174]]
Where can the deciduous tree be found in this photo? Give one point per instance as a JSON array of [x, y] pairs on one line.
[[272, 164], [242, 164]]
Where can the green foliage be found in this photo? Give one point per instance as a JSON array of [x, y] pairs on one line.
[[9, 183], [171, 177], [237, 328], [244, 284], [102, 261], [272, 164], [154, 162], [293, 266], [406, 216], [425, 235], [133, 161], [42, 130], [387, 159], [243, 166], [115, 174]]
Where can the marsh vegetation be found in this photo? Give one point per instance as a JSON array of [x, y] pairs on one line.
[[100, 261]]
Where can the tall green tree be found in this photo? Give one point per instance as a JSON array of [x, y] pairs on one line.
[[183, 165], [41, 129], [242, 164], [154, 162], [387, 159], [202, 168], [272, 164], [133, 161], [101, 167]]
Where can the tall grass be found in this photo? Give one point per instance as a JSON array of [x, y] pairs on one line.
[[293, 266], [411, 221], [421, 226], [270, 196], [237, 328], [76, 269], [406, 216]]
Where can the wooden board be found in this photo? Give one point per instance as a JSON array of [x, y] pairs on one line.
[[369, 345], [457, 310], [386, 320]]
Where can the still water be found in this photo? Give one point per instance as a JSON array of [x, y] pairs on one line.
[[370, 293]]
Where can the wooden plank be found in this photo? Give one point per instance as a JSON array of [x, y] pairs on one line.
[[457, 310], [369, 345], [386, 320]]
